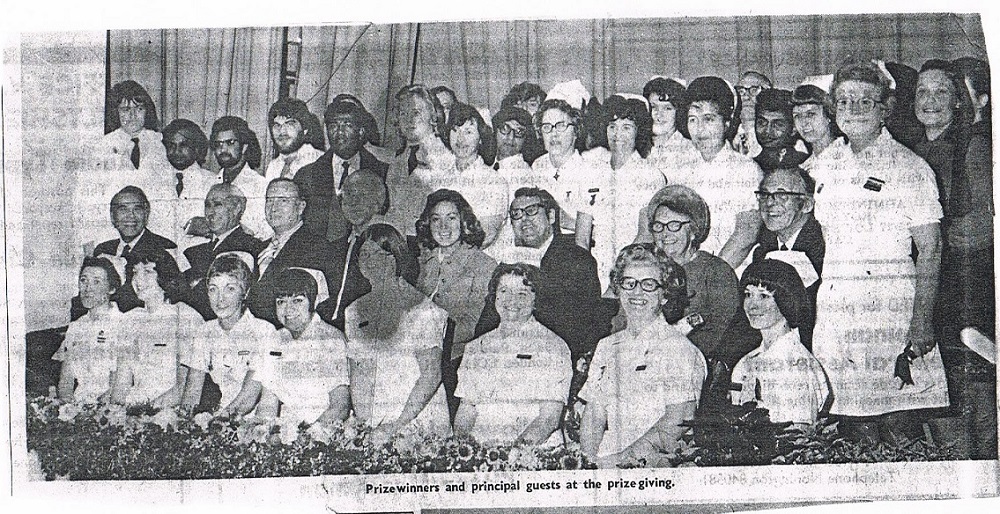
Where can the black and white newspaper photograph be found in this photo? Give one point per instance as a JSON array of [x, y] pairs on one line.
[[477, 258]]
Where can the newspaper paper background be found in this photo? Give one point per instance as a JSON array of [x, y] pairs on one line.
[[727, 488]]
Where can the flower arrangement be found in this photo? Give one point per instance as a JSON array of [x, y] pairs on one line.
[[106, 442], [100, 442]]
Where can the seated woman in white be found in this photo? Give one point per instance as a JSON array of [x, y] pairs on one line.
[[780, 375], [305, 377], [224, 348], [93, 343], [394, 339], [645, 380], [514, 381], [148, 371]]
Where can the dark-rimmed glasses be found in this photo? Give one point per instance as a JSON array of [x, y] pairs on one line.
[[530, 210], [672, 226], [777, 196], [547, 128], [647, 284]]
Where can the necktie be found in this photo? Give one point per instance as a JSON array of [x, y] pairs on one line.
[[215, 242], [411, 161], [126, 251], [134, 157], [343, 176], [267, 255], [180, 183], [783, 248], [496, 166], [286, 170]]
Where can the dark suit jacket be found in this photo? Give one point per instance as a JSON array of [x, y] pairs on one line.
[[568, 300], [355, 284], [201, 256], [317, 185], [810, 241], [305, 249], [125, 297]]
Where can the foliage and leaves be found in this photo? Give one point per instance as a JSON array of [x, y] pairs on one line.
[[743, 435]]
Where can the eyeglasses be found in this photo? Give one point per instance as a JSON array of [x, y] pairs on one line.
[[672, 226], [224, 143], [505, 130], [777, 196], [530, 210], [751, 90], [647, 284], [865, 105], [547, 128]]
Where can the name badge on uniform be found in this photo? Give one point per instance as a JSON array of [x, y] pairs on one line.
[[593, 194], [874, 184], [276, 354], [641, 367], [160, 344], [524, 356], [243, 353], [363, 324], [101, 338]]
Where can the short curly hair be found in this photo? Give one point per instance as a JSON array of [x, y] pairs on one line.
[[683, 200], [672, 276]]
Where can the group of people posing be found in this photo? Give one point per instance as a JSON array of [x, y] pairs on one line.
[[611, 266]]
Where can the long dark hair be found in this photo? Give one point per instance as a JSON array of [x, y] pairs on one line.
[[472, 232]]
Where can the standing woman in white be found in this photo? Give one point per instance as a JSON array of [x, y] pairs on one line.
[[875, 199]]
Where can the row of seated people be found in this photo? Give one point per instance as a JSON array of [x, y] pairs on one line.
[[602, 199]]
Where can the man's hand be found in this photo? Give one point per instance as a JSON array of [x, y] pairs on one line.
[[198, 226]]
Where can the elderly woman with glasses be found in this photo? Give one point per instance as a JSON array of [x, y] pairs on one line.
[[679, 224], [876, 200], [647, 379]]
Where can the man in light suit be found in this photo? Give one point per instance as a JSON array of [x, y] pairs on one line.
[[293, 245], [785, 197], [322, 182]]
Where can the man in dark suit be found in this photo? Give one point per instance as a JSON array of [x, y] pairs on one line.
[[293, 245], [224, 206], [363, 198], [322, 182], [786, 205], [129, 214], [568, 300]]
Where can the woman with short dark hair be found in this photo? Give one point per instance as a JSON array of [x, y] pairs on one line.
[[93, 344], [515, 379], [780, 375], [150, 372]]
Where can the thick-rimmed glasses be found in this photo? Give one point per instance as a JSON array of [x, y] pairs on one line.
[[647, 284], [530, 210], [776, 196], [560, 127], [672, 226], [864, 105], [751, 90], [506, 131]]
